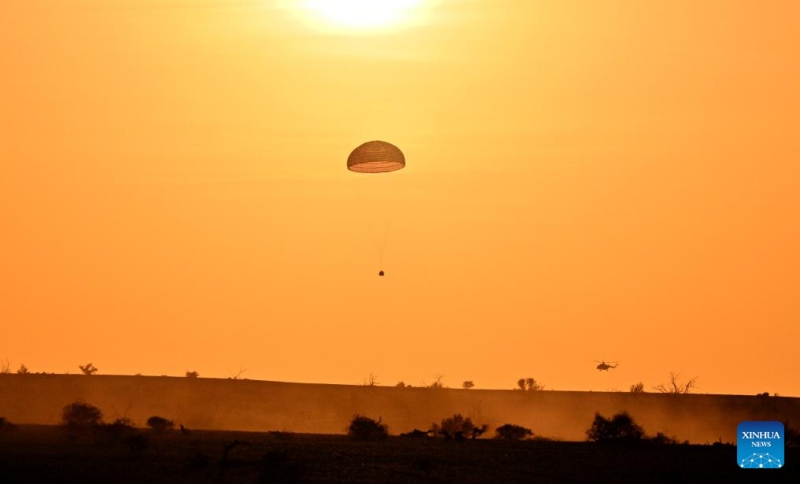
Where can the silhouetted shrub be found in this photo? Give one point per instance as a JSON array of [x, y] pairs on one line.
[[529, 384], [458, 427], [160, 424], [192, 374], [23, 370], [80, 415], [675, 387], [437, 383], [661, 438], [720, 443], [88, 369], [512, 432], [122, 425], [620, 428], [5, 425], [365, 428], [467, 384], [416, 434], [637, 388]]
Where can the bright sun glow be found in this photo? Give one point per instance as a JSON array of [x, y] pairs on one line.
[[361, 14]]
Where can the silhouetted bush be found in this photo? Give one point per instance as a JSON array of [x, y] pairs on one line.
[[416, 434], [720, 443], [512, 432], [5, 425], [160, 424], [458, 427], [620, 428], [88, 369], [23, 370], [467, 384], [637, 388], [529, 384], [675, 387], [121, 425], [192, 374], [80, 415], [661, 438], [365, 428], [437, 383]]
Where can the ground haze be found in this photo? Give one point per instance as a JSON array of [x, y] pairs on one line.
[[228, 404]]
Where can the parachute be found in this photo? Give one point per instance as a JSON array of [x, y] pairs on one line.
[[377, 157]]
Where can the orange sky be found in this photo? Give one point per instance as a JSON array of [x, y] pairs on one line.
[[585, 180]]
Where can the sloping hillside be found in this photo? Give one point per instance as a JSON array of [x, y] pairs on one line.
[[316, 408]]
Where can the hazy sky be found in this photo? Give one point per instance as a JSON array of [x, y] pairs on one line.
[[585, 180]]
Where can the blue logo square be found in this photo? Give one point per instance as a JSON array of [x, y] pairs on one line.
[[759, 445]]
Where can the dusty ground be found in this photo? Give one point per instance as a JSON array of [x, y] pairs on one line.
[[260, 406], [46, 454]]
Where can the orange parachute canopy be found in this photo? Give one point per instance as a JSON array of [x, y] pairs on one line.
[[376, 157]]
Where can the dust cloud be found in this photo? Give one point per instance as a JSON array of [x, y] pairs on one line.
[[249, 405]]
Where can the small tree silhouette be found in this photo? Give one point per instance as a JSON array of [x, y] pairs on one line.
[[620, 428], [88, 369], [458, 427], [120, 425], [437, 382], [512, 432], [468, 384], [400, 384], [371, 381], [80, 415], [662, 438], [674, 387], [365, 428], [160, 424], [529, 384], [23, 370], [5, 367], [192, 374], [238, 374], [637, 388]]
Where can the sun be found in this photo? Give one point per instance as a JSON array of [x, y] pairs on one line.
[[363, 14]]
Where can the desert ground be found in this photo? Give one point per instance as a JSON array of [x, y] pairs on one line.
[[46, 454], [257, 431], [261, 406]]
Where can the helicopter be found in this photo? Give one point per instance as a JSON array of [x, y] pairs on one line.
[[606, 366]]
